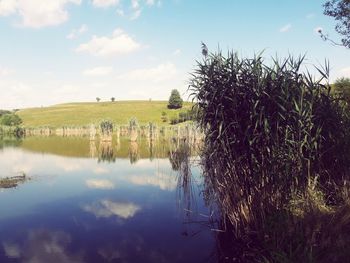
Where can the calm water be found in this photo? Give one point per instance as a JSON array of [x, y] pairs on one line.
[[91, 202]]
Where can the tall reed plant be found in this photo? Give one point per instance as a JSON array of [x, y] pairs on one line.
[[269, 131]]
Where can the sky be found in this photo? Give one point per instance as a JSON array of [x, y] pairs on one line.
[[56, 51]]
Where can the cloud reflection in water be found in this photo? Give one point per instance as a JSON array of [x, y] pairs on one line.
[[43, 245], [163, 181], [99, 184], [107, 208]]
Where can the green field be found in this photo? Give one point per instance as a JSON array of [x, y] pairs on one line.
[[79, 114]]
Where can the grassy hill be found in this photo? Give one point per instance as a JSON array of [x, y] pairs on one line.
[[80, 114]]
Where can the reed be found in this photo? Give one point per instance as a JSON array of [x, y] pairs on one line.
[[269, 132]]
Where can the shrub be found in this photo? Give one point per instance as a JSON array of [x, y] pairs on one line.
[[11, 120], [3, 112], [269, 130], [174, 120], [175, 101], [342, 88]]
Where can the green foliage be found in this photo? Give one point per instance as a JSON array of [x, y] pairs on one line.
[[342, 88], [174, 120], [175, 101], [98, 99], [10, 119], [340, 11], [3, 112], [112, 99], [183, 116], [269, 130]]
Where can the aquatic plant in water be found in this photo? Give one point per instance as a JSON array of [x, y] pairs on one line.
[[270, 133]]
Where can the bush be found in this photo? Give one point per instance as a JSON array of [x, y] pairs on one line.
[[175, 101], [11, 120], [174, 120], [269, 130], [3, 112], [342, 88]]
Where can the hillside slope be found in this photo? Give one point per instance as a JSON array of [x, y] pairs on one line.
[[80, 114]]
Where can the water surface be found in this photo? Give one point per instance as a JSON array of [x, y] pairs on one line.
[[88, 201]]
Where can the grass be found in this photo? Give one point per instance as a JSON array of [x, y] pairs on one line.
[[120, 112]]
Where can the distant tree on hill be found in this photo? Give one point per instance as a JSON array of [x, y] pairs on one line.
[[342, 88], [175, 101], [112, 99], [98, 99]]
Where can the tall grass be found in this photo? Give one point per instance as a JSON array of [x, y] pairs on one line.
[[271, 131]]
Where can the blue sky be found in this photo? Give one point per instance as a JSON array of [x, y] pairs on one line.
[[76, 50]]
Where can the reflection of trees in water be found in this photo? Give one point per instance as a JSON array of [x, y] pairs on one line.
[[134, 152], [10, 142], [180, 162], [93, 149], [151, 144], [180, 158], [106, 152], [313, 230]]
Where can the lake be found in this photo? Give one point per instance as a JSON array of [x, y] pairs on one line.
[[77, 200]]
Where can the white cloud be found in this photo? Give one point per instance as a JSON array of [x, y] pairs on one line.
[[106, 208], [153, 2], [135, 4], [99, 184], [8, 7], [310, 16], [77, 32], [177, 52], [5, 72], [136, 14], [105, 3], [345, 72], [285, 28], [134, 10], [38, 13], [156, 74], [118, 44], [150, 2], [120, 12], [98, 71]]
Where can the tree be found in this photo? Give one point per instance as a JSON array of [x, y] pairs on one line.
[[340, 11], [11, 120], [112, 99], [342, 88], [3, 112], [175, 101], [98, 99]]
